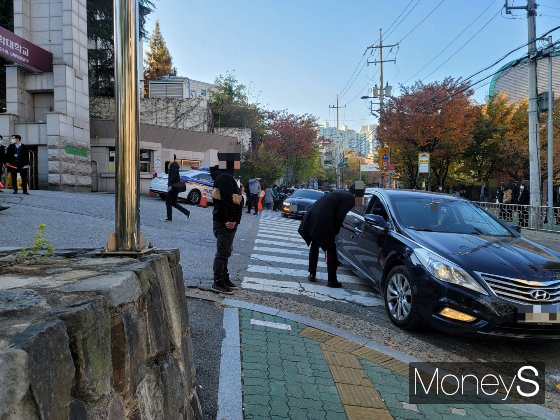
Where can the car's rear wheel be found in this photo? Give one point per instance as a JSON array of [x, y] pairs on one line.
[[163, 196], [194, 197], [400, 301]]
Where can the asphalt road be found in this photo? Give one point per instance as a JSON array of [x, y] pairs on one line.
[[269, 261]]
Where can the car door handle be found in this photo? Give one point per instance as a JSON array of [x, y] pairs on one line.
[[357, 229]]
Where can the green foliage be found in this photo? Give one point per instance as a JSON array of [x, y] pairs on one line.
[[266, 164], [101, 32], [41, 247]]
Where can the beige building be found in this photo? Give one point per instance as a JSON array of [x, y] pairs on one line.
[[157, 146]]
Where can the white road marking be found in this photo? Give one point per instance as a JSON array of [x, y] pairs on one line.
[[291, 272], [281, 244], [280, 232], [285, 260], [279, 225], [271, 324], [315, 291], [291, 239], [281, 250]]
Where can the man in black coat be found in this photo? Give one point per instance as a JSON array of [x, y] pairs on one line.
[[172, 192], [17, 160], [319, 228], [226, 217]]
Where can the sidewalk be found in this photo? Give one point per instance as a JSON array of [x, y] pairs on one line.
[[287, 369]]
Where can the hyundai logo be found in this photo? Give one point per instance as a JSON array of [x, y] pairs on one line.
[[540, 294]]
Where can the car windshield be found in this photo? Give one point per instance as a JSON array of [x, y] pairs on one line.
[[443, 215], [311, 194]]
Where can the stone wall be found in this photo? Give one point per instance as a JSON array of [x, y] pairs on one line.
[[187, 114], [98, 338], [243, 136]]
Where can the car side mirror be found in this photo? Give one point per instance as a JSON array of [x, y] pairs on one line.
[[376, 221], [517, 228]]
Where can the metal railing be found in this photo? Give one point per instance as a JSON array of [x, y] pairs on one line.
[[538, 218]]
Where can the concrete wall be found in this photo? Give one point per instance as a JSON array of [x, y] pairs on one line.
[[243, 136], [188, 114], [96, 338]]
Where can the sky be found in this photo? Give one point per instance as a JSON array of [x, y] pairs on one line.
[[298, 55]]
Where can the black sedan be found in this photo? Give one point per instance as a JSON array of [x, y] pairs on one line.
[[299, 202], [445, 262]]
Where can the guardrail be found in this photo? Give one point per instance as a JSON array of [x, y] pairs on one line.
[[539, 218]]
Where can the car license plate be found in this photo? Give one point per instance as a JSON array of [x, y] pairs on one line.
[[539, 314], [293, 207]]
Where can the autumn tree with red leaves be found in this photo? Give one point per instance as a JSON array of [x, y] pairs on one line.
[[437, 118]]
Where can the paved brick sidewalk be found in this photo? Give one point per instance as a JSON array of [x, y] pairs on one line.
[[290, 370]]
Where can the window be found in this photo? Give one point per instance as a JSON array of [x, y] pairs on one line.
[[202, 92], [204, 177], [145, 160], [375, 206], [193, 93]]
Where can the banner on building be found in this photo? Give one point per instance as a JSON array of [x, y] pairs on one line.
[[20, 51]]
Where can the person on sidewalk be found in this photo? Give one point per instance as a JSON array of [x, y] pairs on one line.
[[320, 226], [173, 179], [254, 190], [17, 160], [226, 217], [268, 198]]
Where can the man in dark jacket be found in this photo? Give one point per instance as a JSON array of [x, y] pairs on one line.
[[319, 228], [17, 160], [172, 192], [226, 217]]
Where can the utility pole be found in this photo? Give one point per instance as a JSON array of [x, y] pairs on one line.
[[339, 178], [534, 160], [381, 92]]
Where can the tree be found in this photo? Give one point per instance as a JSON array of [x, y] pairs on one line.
[[231, 108], [266, 164], [158, 58], [101, 33], [435, 118]]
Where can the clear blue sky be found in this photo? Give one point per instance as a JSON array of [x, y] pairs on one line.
[[299, 54]]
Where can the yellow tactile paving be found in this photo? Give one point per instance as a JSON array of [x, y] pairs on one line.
[[342, 344], [361, 396], [350, 376], [365, 413], [342, 359], [371, 355], [315, 334]]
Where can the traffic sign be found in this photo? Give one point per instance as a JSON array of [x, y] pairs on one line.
[[369, 168], [423, 163], [384, 158]]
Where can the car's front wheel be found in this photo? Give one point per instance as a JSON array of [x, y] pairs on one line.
[[194, 197], [400, 301]]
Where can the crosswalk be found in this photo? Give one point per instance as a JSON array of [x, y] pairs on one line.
[[279, 262]]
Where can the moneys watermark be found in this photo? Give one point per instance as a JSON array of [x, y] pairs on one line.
[[477, 383]]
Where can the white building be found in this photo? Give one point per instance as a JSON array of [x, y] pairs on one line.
[[358, 141], [180, 87]]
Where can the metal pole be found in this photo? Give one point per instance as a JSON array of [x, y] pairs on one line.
[[381, 89], [127, 237], [534, 163], [550, 142]]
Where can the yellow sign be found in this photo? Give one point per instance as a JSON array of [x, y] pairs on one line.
[[423, 163], [384, 158]]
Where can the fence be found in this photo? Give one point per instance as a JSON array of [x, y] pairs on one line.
[[527, 217]]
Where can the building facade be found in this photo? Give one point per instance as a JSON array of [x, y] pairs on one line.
[[361, 141], [180, 87]]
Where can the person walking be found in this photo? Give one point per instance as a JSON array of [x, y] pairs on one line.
[[268, 198], [319, 228], [173, 190], [254, 190], [226, 217], [17, 160]]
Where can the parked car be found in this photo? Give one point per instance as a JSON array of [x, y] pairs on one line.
[[444, 261], [198, 182], [297, 204]]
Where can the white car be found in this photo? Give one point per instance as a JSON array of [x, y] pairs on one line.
[[198, 182]]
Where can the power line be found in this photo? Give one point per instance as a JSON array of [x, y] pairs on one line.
[[402, 20], [451, 43], [397, 18], [350, 81], [464, 45], [421, 22]]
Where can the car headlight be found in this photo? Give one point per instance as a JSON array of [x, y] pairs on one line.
[[445, 270], [286, 204]]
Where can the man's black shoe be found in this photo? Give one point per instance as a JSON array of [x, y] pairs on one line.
[[335, 284], [26, 193], [311, 278], [221, 288], [2, 208], [15, 192], [231, 285]]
